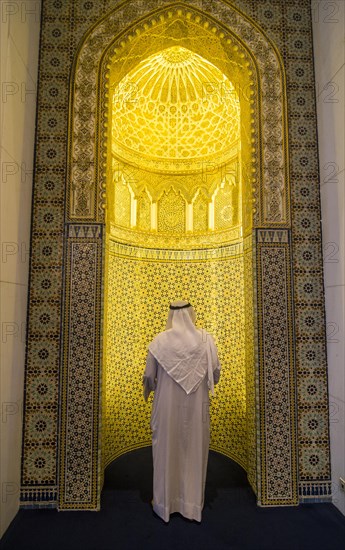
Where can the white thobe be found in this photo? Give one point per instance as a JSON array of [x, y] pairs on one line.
[[180, 426]]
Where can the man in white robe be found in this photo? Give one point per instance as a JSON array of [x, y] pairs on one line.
[[182, 366]]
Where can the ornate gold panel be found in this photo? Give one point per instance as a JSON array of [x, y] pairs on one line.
[[171, 213], [138, 293], [144, 212], [200, 213]]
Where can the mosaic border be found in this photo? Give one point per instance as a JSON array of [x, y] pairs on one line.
[[276, 370], [77, 147], [288, 24], [80, 380]]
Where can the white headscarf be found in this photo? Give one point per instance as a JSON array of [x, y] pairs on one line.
[[186, 353]]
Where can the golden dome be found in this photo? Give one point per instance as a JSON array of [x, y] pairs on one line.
[[173, 112]]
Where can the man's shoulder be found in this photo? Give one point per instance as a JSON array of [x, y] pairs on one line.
[[159, 337]]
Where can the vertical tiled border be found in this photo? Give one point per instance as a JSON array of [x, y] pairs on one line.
[[80, 381], [276, 369]]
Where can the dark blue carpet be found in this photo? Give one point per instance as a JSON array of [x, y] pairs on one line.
[[231, 519]]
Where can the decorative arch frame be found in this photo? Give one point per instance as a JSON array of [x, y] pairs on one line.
[[91, 71], [269, 232], [87, 183]]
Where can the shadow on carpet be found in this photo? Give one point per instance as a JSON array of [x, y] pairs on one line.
[[231, 519]]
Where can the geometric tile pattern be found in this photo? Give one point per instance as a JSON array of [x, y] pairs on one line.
[[276, 370], [247, 51], [80, 384], [138, 293], [288, 24], [86, 130]]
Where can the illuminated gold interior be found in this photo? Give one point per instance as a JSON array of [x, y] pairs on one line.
[[138, 296], [175, 147], [164, 108], [175, 207]]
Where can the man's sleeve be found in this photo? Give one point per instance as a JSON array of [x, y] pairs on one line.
[[215, 362], [216, 375], [150, 375]]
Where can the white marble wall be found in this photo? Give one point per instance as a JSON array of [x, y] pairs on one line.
[[329, 49], [20, 22]]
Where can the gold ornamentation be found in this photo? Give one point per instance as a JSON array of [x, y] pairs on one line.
[[200, 214], [234, 59], [171, 213], [181, 111], [122, 203], [138, 293], [144, 212], [224, 206]]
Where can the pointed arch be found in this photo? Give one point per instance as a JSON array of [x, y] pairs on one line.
[[238, 46]]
